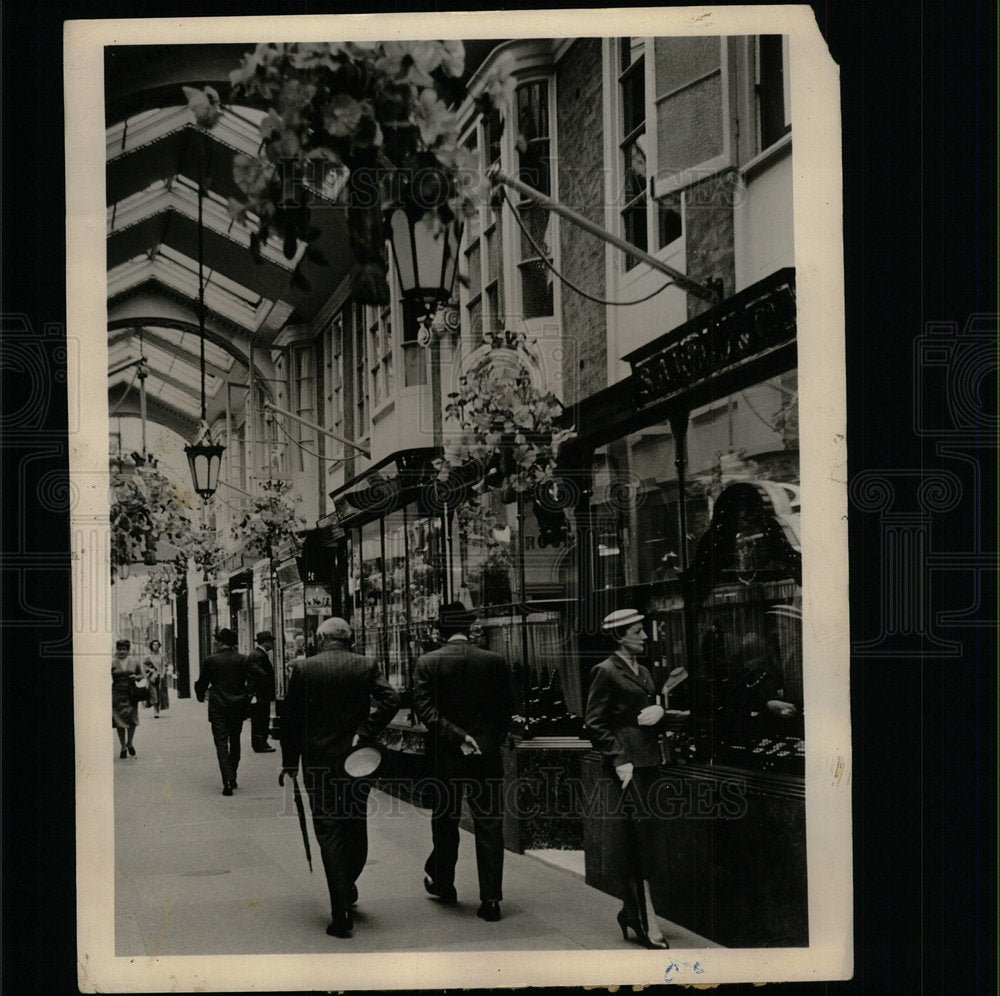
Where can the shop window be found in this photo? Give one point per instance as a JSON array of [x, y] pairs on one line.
[[293, 628], [397, 600], [773, 98], [396, 584]]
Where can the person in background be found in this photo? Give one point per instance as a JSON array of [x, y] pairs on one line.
[[227, 678], [327, 711], [624, 723], [124, 701], [462, 694], [260, 710], [154, 669]]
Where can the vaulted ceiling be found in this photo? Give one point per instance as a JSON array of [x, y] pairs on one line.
[[155, 155]]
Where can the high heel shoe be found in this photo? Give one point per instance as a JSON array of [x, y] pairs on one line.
[[641, 937], [123, 754]]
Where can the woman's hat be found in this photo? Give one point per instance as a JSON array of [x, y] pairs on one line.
[[621, 619]]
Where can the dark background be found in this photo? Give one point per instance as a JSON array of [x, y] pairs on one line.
[[919, 115]]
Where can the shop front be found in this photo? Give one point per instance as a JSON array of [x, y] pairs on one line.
[[692, 517], [412, 545]]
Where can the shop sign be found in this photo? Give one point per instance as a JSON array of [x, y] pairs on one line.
[[744, 327]]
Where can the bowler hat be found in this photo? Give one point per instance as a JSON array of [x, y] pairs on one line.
[[265, 636], [226, 637], [454, 615]]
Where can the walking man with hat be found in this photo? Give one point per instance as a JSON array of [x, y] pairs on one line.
[[327, 711], [462, 694], [228, 678], [260, 710]]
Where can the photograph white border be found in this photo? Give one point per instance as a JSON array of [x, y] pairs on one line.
[[820, 299]]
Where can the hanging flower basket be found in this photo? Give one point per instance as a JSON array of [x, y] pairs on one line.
[[270, 521], [146, 508], [351, 119], [507, 427]]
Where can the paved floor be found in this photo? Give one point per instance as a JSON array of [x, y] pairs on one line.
[[200, 873]]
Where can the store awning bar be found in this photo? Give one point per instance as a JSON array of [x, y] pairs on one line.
[[275, 410], [682, 280]]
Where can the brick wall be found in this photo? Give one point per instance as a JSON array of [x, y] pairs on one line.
[[709, 236], [581, 187]]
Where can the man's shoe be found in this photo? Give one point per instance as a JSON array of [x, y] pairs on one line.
[[446, 893], [341, 925], [227, 789], [266, 749], [489, 911]]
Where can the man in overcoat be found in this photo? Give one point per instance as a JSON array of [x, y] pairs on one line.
[[327, 711], [260, 710], [229, 679], [462, 694]]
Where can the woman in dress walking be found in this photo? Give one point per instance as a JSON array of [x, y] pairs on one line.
[[624, 722], [154, 667], [124, 700]]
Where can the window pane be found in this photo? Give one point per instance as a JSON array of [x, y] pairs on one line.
[[474, 257], [630, 50], [493, 128], [771, 91], [669, 226], [536, 289], [536, 221], [475, 313], [633, 99], [634, 218], [635, 170]]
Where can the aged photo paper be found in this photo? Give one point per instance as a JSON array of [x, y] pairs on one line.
[[806, 201]]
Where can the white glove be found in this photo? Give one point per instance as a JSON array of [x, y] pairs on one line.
[[624, 772], [651, 715]]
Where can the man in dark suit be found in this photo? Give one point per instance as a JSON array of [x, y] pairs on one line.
[[462, 694], [228, 678], [260, 710], [327, 711]]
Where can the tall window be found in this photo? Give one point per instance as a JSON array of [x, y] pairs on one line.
[[534, 169], [302, 391], [360, 374], [474, 255], [632, 98], [380, 354], [491, 319], [335, 376], [773, 104]]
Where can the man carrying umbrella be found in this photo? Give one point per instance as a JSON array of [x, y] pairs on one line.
[[327, 710]]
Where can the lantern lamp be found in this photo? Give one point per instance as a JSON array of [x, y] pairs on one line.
[[425, 251]]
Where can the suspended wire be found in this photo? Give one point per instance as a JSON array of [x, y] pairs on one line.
[[121, 400], [569, 283], [305, 449]]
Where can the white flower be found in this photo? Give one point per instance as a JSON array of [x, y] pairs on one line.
[[204, 104]]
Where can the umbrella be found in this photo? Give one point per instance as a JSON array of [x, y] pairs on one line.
[[301, 809]]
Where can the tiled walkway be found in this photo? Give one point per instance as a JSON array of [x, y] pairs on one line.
[[200, 873]]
